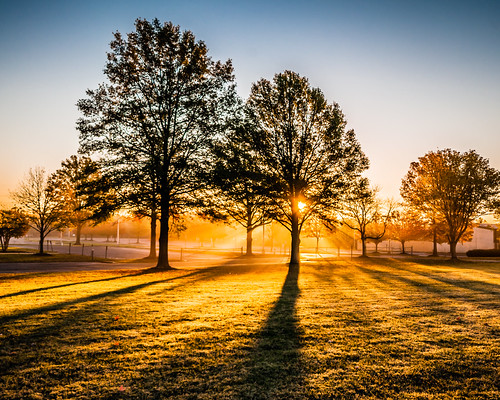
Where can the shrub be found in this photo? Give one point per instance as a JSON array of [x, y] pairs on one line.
[[483, 253]]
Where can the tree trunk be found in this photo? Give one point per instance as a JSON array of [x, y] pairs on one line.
[[453, 250], [78, 234], [363, 246], [40, 242], [152, 239], [403, 247], [317, 244], [295, 248], [434, 243], [5, 243], [164, 220], [376, 247], [249, 241]]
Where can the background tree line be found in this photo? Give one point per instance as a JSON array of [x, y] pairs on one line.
[[167, 133]]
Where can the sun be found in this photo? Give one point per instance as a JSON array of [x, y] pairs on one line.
[[302, 205]]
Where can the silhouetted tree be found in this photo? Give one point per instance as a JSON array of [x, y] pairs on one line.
[[78, 173], [235, 190], [454, 187], [363, 212], [13, 224], [308, 154], [154, 118], [44, 207]]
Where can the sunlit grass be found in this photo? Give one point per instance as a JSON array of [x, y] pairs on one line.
[[339, 329]]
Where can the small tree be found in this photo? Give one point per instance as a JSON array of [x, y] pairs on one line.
[[363, 212], [406, 225], [43, 205], [13, 224], [454, 187], [70, 182]]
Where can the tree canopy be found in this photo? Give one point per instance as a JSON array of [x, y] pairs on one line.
[[453, 187]]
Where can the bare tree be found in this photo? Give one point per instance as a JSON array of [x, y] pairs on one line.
[[42, 204], [363, 212]]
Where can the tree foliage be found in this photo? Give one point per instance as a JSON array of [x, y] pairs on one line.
[[406, 225], [454, 187], [42, 203], [308, 154], [13, 224], [154, 118]]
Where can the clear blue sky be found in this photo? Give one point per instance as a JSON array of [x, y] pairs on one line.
[[411, 76]]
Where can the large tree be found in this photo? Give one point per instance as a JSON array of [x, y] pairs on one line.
[[13, 224], [454, 187], [311, 160], [42, 203], [156, 114]]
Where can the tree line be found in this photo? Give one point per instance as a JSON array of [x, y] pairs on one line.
[[166, 133]]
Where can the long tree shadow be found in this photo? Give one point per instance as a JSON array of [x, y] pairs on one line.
[[275, 368]]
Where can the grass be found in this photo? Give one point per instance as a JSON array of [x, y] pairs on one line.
[[336, 329]]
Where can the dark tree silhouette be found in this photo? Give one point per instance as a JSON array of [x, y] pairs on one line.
[[309, 157], [235, 190], [76, 173], [154, 118], [454, 187]]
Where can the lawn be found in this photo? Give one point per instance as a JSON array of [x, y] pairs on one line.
[[336, 329]]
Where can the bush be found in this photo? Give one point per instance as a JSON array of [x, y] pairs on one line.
[[483, 253]]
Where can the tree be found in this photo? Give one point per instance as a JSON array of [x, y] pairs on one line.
[[315, 228], [310, 159], [235, 189], [13, 224], [156, 115], [41, 203], [78, 173], [454, 187], [363, 211], [406, 225]]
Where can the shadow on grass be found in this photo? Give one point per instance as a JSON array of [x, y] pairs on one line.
[[275, 369]]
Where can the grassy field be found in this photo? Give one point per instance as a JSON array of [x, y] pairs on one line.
[[17, 255], [336, 329]]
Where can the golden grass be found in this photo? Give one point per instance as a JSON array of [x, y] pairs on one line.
[[367, 329]]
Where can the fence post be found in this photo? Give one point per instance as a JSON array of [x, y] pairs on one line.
[[92, 254], [106, 253], [83, 246], [69, 251], [351, 252], [338, 252], [181, 255]]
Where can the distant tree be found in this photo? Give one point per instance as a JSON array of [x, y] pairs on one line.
[[156, 115], [13, 224], [406, 225], [454, 187], [235, 189], [363, 211], [310, 158], [71, 182], [42, 204], [315, 228]]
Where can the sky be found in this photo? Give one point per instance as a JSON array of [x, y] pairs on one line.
[[410, 76]]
